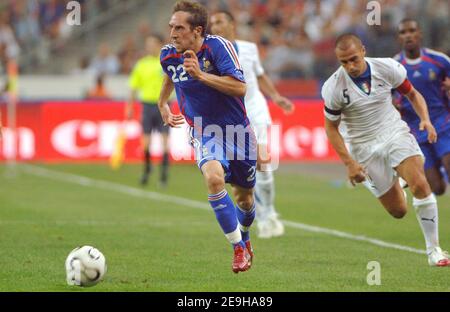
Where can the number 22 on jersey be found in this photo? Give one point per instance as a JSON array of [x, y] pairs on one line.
[[174, 71]]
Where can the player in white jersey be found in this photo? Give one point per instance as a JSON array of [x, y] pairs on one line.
[[223, 24], [380, 148]]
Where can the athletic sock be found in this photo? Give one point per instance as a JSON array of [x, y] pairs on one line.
[[147, 164], [427, 215], [264, 195], [164, 167], [245, 219], [225, 212]]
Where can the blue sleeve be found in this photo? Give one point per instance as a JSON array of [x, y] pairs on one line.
[[161, 61], [447, 67], [445, 61], [165, 51], [226, 59]]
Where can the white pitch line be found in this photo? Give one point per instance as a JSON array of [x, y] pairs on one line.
[[111, 186], [181, 201], [374, 241]]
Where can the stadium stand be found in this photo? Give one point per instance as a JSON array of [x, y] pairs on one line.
[[297, 37]]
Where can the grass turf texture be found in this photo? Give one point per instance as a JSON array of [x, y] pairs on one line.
[[155, 246]]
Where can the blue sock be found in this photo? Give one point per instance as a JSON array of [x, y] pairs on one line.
[[226, 215], [245, 220]]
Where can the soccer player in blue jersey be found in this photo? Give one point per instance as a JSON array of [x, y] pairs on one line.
[[429, 72], [210, 88]]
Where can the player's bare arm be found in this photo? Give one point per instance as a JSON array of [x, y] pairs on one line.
[[420, 107], [225, 84], [268, 88], [163, 104], [356, 172]]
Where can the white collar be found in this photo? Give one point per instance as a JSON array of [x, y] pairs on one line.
[[413, 61]]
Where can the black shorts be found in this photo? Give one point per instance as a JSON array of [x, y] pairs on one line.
[[151, 119]]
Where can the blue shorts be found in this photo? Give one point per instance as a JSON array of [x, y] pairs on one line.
[[435, 152], [237, 155]]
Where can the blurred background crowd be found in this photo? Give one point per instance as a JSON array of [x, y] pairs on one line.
[[295, 37]]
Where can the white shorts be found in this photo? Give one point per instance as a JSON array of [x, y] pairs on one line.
[[261, 133], [380, 156], [258, 111]]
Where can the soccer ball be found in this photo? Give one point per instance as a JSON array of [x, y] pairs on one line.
[[85, 266]]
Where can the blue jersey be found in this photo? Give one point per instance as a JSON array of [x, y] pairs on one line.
[[426, 75], [217, 56]]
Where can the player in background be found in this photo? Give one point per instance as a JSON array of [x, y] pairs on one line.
[[223, 24], [429, 73], [358, 96], [147, 79], [210, 88]]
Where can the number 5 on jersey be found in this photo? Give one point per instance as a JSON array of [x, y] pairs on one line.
[[346, 96]]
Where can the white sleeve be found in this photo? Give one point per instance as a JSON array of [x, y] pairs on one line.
[[332, 107], [397, 73], [258, 68]]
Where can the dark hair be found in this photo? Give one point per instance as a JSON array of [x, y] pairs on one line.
[[199, 14], [409, 19], [345, 40], [228, 14]]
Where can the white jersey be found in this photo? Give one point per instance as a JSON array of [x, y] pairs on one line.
[[365, 117], [255, 102]]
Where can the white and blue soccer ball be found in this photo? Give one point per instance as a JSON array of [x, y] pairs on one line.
[[85, 266]]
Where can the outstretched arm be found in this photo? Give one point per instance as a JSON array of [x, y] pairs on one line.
[[420, 107], [268, 88], [224, 84], [355, 171]]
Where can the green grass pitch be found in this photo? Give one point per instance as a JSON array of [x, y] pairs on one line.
[[155, 244]]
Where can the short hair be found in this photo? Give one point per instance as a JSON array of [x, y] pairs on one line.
[[408, 20], [344, 41], [228, 14], [198, 14]]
